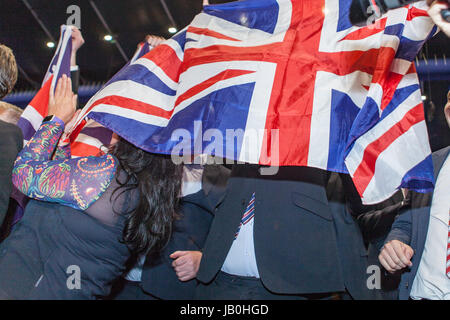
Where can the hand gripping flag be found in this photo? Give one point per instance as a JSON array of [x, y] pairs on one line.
[[283, 83]]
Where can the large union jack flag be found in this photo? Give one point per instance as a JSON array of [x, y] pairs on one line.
[[323, 93]]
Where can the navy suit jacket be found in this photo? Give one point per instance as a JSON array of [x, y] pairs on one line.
[[411, 226]]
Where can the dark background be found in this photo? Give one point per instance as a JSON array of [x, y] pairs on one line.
[[131, 20]]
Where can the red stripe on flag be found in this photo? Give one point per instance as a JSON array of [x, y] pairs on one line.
[[366, 170], [166, 58], [80, 149], [131, 104], [77, 130], [414, 12], [389, 85], [40, 100], [210, 33], [368, 31], [227, 74], [340, 63], [412, 69], [221, 53]]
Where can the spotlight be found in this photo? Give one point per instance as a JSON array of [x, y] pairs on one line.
[[424, 98], [50, 44], [108, 37], [173, 30]]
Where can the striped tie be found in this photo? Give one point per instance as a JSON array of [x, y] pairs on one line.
[[448, 248], [249, 214]]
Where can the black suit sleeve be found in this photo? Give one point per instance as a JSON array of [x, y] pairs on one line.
[[375, 221], [75, 77], [10, 144]]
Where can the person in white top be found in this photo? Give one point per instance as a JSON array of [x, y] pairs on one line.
[[418, 244]]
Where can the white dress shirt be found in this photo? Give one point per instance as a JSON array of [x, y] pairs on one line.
[[241, 259], [431, 281]]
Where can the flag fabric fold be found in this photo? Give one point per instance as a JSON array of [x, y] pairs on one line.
[[283, 83]]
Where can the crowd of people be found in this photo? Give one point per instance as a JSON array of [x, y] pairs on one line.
[[137, 226]]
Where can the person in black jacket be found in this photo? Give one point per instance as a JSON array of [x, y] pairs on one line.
[[11, 136], [375, 222], [375, 225], [10, 145], [281, 237]]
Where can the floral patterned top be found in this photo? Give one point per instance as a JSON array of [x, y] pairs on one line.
[[43, 173]]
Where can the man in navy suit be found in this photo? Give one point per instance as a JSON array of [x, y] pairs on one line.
[[283, 236], [419, 240]]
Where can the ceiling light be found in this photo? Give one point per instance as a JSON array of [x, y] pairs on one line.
[[50, 44], [108, 37], [173, 30]]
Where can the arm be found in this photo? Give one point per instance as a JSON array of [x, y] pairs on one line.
[[402, 228], [10, 144], [375, 224], [375, 221], [62, 152], [396, 253], [77, 42], [76, 183], [73, 182]]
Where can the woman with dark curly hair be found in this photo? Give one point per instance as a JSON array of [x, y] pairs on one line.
[[89, 216]]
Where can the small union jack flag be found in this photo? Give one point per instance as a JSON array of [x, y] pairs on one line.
[[37, 109]]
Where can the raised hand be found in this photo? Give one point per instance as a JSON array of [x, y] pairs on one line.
[[434, 12], [77, 42], [63, 102], [77, 39], [154, 41]]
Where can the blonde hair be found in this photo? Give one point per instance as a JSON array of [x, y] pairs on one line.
[[8, 70], [9, 112]]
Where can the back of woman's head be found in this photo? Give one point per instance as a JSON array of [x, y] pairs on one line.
[[158, 182]]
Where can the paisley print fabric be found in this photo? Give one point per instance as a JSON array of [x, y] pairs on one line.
[[45, 171]]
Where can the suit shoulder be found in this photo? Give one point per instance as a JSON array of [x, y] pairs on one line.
[[12, 131]]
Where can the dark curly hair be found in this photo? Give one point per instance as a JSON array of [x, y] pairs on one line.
[[158, 182], [8, 71]]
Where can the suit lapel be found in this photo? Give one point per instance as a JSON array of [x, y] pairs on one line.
[[214, 184]]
